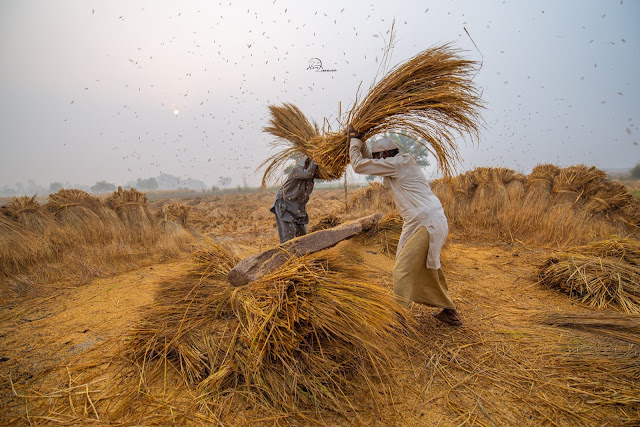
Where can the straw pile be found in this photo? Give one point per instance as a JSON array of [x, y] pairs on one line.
[[293, 131], [551, 206], [600, 274], [131, 208], [174, 212], [386, 234], [490, 194], [374, 196], [294, 341], [329, 220], [431, 97], [83, 217]]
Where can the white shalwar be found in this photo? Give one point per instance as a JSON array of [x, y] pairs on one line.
[[415, 201]]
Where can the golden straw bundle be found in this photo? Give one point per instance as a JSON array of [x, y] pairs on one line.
[[431, 97], [214, 260], [386, 233], [292, 341], [131, 207], [600, 282], [174, 212], [290, 126], [329, 220]]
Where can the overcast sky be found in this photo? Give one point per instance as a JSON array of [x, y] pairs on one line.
[[119, 90]]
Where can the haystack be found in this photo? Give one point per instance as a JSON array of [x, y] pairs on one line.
[[28, 212], [386, 234], [431, 97], [20, 250], [84, 218], [131, 207], [600, 274], [374, 196], [515, 189], [328, 220], [572, 183], [490, 194], [301, 339]]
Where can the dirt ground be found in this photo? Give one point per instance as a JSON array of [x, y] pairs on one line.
[[504, 366]]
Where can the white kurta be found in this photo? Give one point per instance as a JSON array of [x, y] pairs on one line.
[[415, 201]]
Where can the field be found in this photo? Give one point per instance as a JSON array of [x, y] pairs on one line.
[[128, 332]]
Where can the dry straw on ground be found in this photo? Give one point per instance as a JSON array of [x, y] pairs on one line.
[[292, 342], [601, 274]]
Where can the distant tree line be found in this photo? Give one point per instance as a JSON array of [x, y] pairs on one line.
[[163, 181]]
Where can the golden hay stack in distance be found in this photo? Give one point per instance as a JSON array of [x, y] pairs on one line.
[[84, 217], [20, 249], [28, 212], [299, 339], [571, 183], [131, 207], [374, 196], [515, 188]]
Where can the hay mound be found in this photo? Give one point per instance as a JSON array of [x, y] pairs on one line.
[[174, 212], [386, 234], [131, 207], [28, 212], [295, 340], [329, 220], [601, 274], [374, 196], [83, 217]]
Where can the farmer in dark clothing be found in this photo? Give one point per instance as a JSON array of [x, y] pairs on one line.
[[290, 204]]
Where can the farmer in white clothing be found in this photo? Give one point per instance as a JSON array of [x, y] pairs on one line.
[[417, 276]]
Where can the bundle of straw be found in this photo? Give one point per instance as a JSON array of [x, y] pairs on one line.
[[293, 340], [329, 220], [599, 282], [386, 233], [627, 250], [66, 198], [214, 260], [572, 182], [431, 97], [84, 217], [174, 212], [131, 207], [290, 127], [373, 196]]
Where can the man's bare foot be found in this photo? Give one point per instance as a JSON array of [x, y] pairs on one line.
[[450, 316]]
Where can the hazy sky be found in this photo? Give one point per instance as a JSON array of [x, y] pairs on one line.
[[119, 90]]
